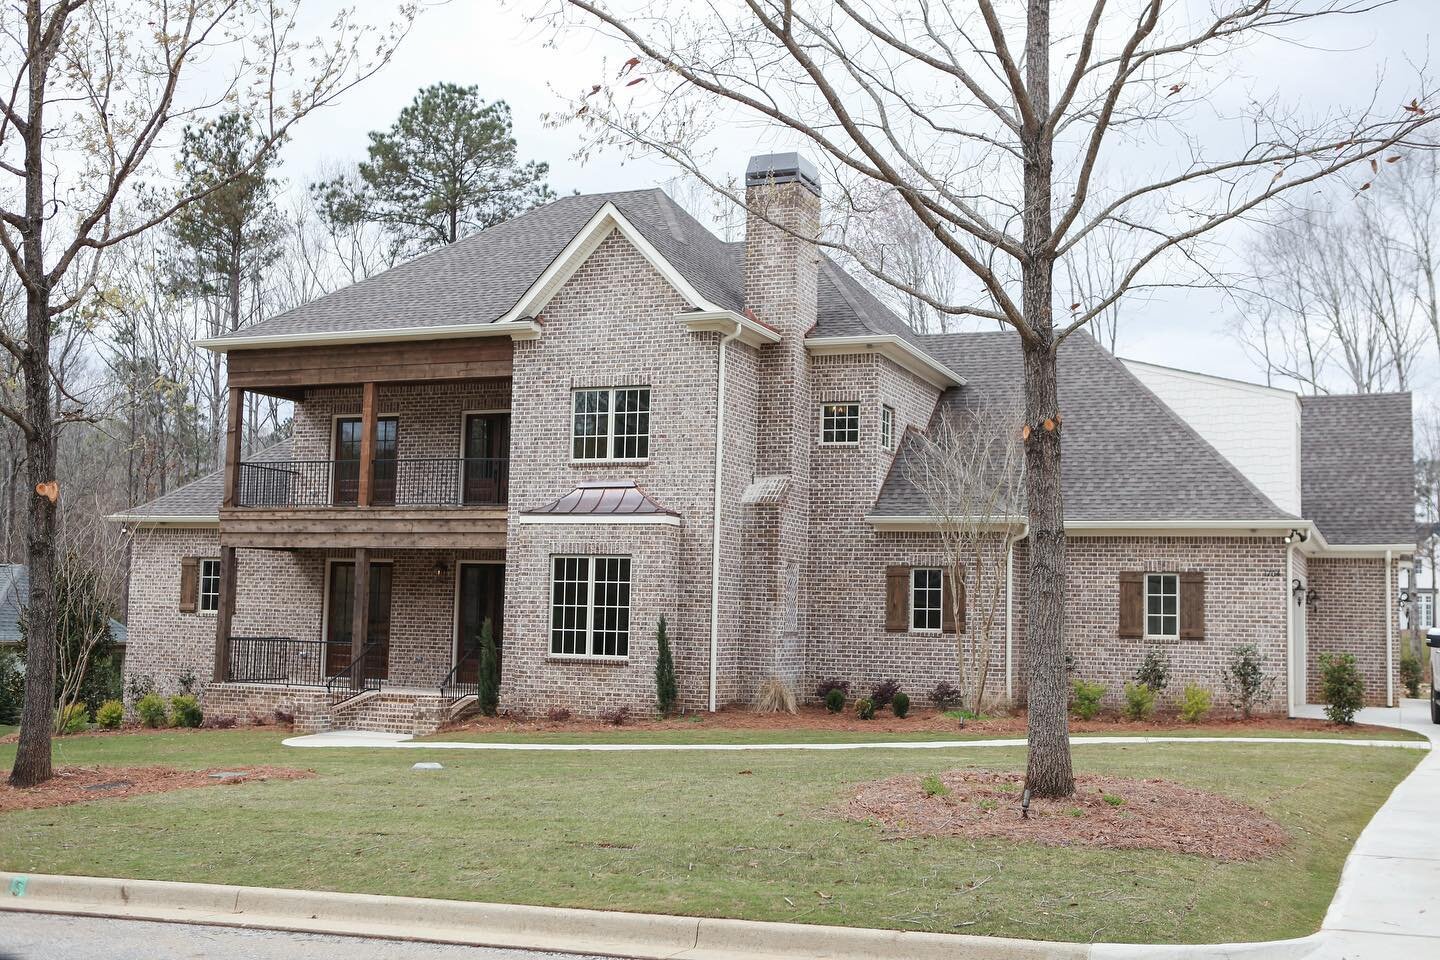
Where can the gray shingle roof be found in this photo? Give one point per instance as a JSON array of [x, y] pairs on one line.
[[199, 498], [1126, 455], [1357, 476], [15, 597]]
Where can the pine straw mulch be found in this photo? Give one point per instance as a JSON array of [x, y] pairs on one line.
[[1153, 814], [83, 784]]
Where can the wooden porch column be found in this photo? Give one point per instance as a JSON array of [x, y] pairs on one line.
[[225, 614], [234, 423], [367, 449], [360, 617]]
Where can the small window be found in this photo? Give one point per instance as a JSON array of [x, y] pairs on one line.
[[840, 423], [611, 423], [926, 599], [209, 584], [590, 607], [1425, 610], [887, 427], [1162, 606]]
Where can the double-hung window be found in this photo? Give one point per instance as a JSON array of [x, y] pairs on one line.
[[611, 423], [590, 607], [887, 427], [840, 423], [209, 593], [1162, 606], [927, 603]]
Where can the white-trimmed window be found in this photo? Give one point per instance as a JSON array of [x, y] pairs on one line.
[[209, 584], [927, 603], [590, 607], [1424, 610], [840, 423], [611, 423], [887, 427], [1162, 606]]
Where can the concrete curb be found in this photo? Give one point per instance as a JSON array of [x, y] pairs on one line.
[[638, 935]]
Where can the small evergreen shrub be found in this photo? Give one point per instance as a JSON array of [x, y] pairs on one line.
[[901, 704], [666, 693], [489, 692], [616, 717], [822, 691], [1246, 682], [1085, 702], [12, 688], [835, 700], [72, 719], [111, 714], [933, 786], [138, 686], [1412, 671], [946, 696], [1194, 703], [1341, 687], [1154, 670], [185, 711], [187, 682], [865, 709], [152, 710], [1139, 701], [883, 692]]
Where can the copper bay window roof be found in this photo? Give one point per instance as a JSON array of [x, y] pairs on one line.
[[609, 497]]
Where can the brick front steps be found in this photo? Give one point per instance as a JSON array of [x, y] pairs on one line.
[[414, 711]]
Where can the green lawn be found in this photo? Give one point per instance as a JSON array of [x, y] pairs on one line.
[[719, 834], [6, 731]]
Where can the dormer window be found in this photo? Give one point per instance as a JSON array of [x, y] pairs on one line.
[[840, 423], [611, 423]]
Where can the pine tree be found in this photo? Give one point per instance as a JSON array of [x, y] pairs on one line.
[[489, 671], [665, 692]]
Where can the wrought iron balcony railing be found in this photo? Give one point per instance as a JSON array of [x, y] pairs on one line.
[[403, 482]]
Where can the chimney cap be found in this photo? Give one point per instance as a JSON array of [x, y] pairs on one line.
[[782, 168]]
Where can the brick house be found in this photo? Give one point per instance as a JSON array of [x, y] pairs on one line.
[[598, 414]]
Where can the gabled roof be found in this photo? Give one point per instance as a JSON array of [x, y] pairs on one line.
[[1357, 476], [199, 500], [1127, 457]]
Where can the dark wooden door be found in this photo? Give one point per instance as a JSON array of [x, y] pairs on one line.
[[482, 596], [487, 458], [347, 460], [340, 617]]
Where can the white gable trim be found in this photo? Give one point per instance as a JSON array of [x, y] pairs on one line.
[[893, 347], [730, 323], [145, 520]]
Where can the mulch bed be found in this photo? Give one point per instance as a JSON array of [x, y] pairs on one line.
[[1151, 814], [83, 784]]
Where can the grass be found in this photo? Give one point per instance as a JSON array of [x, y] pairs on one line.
[[755, 836], [6, 731]]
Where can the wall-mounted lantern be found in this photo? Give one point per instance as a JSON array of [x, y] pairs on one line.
[[1297, 590]]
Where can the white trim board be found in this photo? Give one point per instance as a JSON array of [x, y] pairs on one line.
[[893, 348]]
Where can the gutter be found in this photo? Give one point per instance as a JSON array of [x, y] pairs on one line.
[[525, 329], [715, 511]]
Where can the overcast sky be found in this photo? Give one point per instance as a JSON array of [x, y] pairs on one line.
[[488, 44]]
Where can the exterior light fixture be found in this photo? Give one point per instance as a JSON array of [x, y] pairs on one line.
[[1297, 589], [1312, 597], [1296, 536], [440, 569], [1404, 599]]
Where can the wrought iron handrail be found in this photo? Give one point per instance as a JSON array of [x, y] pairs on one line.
[[352, 681], [452, 688], [406, 481], [278, 660]]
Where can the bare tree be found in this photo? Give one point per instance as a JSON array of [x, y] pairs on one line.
[[91, 552], [968, 467], [89, 91], [1013, 135]]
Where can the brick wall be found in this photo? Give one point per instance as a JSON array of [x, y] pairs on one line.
[[429, 415], [1349, 617]]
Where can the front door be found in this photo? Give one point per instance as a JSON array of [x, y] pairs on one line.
[[339, 617], [482, 597], [347, 460], [487, 458]]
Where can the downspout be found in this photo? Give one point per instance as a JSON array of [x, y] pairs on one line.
[[1389, 637], [1290, 668], [1010, 622], [715, 515]]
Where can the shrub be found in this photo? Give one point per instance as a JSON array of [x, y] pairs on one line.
[[111, 714], [1341, 687], [1085, 703], [1412, 671], [221, 722], [1139, 701], [72, 719], [666, 693], [865, 709], [1154, 670], [901, 704], [185, 711], [835, 700], [12, 688], [558, 714], [138, 686], [153, 712], [883, 692], [946, 696], [1194, 703], [284, 717], [774, 696], [933, 786], [187, 682], [1246, 682], [616, 717], [489, 692], [822, 692], [1114, 800]]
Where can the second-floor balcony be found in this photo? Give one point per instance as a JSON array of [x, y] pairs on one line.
[[394, 482]]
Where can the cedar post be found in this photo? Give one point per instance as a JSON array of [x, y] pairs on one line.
[[360, 617], [367, 449], [234, 422], [224, 614]]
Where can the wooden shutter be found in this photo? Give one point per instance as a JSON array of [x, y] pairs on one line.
[[1192, 605], [953, 603], [1132, 605], [897, 598], [189, 583]]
